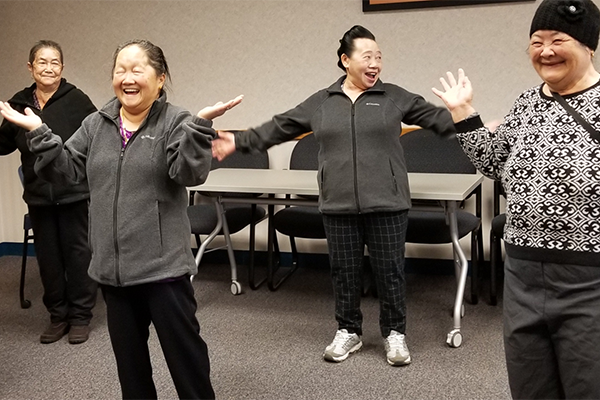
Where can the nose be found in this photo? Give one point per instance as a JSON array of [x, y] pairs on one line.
[[547, 51], [128, 78]]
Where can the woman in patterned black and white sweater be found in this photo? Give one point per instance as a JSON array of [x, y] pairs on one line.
[[549, 165]]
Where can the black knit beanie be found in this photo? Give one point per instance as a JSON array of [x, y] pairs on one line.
[[579, 19]]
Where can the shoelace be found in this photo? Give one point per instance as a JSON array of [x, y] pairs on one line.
[[342, 339], [397, 340]]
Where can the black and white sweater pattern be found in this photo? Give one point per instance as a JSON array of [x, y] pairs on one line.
[[549, 166]]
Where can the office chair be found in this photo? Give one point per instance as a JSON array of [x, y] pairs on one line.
[[27, 236], [204, 218], [496, 234], [427, 152], [301, 221]]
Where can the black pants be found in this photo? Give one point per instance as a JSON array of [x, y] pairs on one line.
[[171, 307], [63, 255], [384, 234], [552, 330]]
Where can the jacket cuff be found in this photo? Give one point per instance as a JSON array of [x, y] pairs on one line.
[[469, 124], [37, 131]]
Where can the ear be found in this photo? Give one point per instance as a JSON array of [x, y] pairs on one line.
[[345, 61], [30, 67]]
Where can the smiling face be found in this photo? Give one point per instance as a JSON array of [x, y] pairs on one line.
[[561, 61], [46, 68], [135, 81], [363, 65]]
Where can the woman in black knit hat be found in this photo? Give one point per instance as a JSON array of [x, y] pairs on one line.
[[546, 153]]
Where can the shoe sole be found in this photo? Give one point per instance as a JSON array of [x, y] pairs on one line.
[[399, 363], [356, 348]]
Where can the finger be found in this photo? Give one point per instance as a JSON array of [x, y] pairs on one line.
[[445, 84], [451, 78]]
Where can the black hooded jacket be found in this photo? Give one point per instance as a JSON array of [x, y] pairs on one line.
[[63, 113]]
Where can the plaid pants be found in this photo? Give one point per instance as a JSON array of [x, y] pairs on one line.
[[384, 234]]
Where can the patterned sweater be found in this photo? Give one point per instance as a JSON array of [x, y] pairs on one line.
[[549, 167]]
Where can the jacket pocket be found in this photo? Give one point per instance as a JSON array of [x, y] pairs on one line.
[[393, 178]]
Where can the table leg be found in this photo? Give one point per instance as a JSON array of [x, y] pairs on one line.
[[454, 338]]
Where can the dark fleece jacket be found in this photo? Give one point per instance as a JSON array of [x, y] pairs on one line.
[[63, 113]]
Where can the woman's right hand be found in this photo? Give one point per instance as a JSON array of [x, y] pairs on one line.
[[457, 95], [28, 121], [224, 145]]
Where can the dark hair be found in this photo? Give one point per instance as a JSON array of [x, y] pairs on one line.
[[43, 44], [155, 55], [347, 42]]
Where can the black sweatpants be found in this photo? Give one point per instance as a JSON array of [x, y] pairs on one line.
[[63, 255], [552, 330], [384, 234], [171, 307]]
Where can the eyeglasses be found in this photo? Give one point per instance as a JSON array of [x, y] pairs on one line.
[[43, 64]]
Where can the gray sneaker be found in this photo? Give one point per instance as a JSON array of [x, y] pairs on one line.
[[343, 345], [396, 349]]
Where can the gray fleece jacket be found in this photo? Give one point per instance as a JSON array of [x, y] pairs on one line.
[[139, 229], [361, 162]]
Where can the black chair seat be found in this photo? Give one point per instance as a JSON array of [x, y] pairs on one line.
[[498, 223], [203, 217], [304, 222], [430, 226]]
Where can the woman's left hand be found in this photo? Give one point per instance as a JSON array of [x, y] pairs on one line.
[[29, 120], [212, 112]]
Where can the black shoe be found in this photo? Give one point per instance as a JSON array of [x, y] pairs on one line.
[[54, 332], [79, 334]]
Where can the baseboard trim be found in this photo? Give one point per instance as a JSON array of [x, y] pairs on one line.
[[306, 260]]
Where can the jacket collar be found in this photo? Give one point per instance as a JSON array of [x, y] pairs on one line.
[[112, 108], [337, 86], [25, 96]]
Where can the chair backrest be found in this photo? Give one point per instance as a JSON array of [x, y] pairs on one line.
[[426, 151], [305, 155]]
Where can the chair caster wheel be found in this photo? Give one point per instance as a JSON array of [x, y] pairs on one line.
[[236, 288], [25, 304], [454, 338]]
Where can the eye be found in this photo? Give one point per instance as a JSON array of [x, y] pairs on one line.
[[535, 44], [119, 71]]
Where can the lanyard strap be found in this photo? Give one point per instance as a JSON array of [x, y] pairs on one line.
[[594, 133]]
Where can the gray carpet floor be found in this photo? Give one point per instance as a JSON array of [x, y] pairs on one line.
[[265, 345]]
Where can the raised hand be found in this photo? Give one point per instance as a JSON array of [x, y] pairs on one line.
[[457, 95], [224, 145], [28, 121], [212, 112]]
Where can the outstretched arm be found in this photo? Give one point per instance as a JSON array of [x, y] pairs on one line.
[[224, 145], [457, 95], [220, 108], [28, 121]]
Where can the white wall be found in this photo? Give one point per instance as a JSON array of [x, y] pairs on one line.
[[275, 52]]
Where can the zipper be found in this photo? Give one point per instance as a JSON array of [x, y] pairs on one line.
[[354, 162], [116, 201], [115, 221]]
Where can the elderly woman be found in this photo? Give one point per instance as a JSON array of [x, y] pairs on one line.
[[138, 154], [364, 192], [59, 213], [549, 165]]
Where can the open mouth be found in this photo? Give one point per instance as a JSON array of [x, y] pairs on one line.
[[372, 76], [131, 91]]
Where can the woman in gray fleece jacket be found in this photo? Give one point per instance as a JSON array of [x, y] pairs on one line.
[[138, 154], [364, 192]]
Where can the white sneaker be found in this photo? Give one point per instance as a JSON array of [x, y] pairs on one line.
[[343, 345], [396, 349]]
